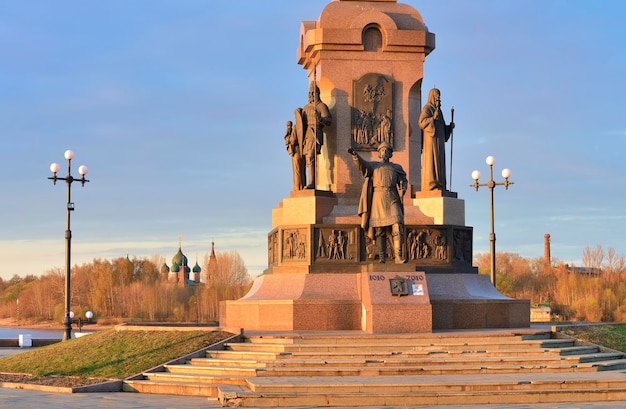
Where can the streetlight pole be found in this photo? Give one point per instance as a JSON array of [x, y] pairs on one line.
[[82, 170], [491, 184]]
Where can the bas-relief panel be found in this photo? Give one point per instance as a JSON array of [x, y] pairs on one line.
[[462, 245], [372, 112], [427, 243], [272, 248], [336, 244], [294, 244], [345, 244]]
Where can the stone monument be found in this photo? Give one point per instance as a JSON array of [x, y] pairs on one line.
[[326, 271]]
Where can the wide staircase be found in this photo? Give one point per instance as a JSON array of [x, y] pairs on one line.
[[357, 369]]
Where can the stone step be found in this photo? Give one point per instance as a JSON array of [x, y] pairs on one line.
[[436, 383], [203, 370], [247, 355], [423, 390], [197, 372], [272, 347], [220, 362], [399, 360], [405, 399], [578, 350], [364, 354], [169, 387], [410, 339], [448, 369], [185, 377]]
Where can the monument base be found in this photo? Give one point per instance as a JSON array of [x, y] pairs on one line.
[[374, 302], [297, 301], [466, 301]]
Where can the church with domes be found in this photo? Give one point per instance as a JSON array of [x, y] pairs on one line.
[[180, 272]]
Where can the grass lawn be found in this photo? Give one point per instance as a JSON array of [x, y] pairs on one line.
[[609, 335], [104, 355]]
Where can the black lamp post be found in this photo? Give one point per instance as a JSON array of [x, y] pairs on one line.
[[82, 170], [506, 173]]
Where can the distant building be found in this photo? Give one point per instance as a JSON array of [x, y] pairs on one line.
[[181, 273], [589, 271], [540, 313]]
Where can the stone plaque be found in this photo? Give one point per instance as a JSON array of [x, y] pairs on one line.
[[372, 112]]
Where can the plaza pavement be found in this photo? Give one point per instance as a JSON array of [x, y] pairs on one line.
[[27, 399]]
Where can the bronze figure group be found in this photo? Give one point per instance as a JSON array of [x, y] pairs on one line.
[[304, 140], [381, 205]]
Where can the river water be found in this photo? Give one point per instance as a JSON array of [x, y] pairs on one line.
[[35, 333]]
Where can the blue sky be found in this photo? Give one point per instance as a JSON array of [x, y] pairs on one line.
[[178, 109]]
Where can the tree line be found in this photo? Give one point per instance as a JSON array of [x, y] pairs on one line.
[[595, 292], [134, 289], [126, 289]]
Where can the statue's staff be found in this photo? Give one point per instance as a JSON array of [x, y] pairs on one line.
[[451, 143]]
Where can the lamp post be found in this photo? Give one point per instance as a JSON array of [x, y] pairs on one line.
[[82, 170], [491, 184], [88, 315]]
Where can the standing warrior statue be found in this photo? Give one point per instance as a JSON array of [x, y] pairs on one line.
[[310, 123], [294, 150], [436, 134], [381, 204]]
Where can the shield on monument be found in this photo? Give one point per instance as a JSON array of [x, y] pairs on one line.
[[300, 128]]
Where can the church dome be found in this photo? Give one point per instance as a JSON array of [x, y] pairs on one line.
[[196, 268], [165, 268], [179, 259]]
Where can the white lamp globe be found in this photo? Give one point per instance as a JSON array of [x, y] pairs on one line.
[[71, 314], [83, 170], [490, 160], [69, 154], [506, 173], [55, 167], [475, 175], [89, 315]]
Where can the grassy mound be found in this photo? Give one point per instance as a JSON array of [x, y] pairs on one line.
[[609, 335], [108, 354]]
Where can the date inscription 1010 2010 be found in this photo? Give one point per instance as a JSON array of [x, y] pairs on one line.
[[412, 277]]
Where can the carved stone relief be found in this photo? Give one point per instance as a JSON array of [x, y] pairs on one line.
[[427, 244], [463, 245], [272, 248], [294, 244], [372, 112], [335, 244]]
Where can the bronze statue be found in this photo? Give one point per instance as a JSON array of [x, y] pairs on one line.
[[436, 134], [310, 122], [294, 150], [381, 203]]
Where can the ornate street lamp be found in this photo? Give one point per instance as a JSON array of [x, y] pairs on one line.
[[88, 315], [506, 174], [82, 170]]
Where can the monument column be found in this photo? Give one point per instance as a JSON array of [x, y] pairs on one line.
[[367, 58]]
